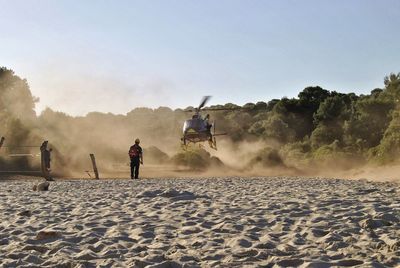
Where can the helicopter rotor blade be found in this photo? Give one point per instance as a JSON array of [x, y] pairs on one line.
[[204, 101], [223, 109], [213, 109]]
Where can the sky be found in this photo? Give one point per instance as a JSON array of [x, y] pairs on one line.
[[114, 56]]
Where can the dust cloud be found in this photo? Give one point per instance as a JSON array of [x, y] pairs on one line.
[[109, 137]]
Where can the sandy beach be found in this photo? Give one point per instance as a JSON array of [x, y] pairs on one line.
[[202, 222]]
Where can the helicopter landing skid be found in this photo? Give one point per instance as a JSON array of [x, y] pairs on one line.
[[213, 145], [184, 146]]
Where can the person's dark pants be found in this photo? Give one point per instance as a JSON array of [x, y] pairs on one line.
[[135, 164]]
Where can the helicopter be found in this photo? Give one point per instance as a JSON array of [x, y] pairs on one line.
[[199, 129]]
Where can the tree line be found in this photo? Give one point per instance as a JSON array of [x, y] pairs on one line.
[[318, 126]]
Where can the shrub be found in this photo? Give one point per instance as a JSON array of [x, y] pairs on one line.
[[267, 157], [389, 147], [197, 159]]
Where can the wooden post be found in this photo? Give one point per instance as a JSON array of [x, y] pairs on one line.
[[96, 172], [2, 141]]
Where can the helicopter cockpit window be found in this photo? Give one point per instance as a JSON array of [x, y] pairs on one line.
[[196, 124], [186, 125]]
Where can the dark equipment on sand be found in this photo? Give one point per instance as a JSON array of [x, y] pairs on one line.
[[25, 154]]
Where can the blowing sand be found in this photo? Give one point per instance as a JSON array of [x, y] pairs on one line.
[[210, 222]]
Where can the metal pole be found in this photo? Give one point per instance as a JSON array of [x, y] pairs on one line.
[[96, 172]]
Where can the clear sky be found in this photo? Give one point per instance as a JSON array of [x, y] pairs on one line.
[[113, 56]]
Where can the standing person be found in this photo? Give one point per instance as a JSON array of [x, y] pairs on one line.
[[43, 149], [47, 159], [136, 156]]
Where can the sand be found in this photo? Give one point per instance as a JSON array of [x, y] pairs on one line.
[[209, 222]]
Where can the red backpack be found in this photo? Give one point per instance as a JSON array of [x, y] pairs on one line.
[[133, 151]]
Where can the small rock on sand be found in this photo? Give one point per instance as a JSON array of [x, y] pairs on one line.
[[25, 213], [388, 217], [166, 264], [43, 186], [43, 235], [373, 223]]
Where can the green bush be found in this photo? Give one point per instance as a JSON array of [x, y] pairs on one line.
[[325, 134], [333, 157], [297, 153], [267, 157], [389, 147], [197, 159]]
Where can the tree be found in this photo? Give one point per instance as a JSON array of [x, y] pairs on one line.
[[17, 114], [369, 121], [389, 148], [16, 99], [331, 109], [324, 135], [276, 128], [311, 97]]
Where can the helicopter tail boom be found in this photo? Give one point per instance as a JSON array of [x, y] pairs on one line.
[[220, 134]]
